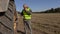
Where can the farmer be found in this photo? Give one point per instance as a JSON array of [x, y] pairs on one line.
[[26, 13]]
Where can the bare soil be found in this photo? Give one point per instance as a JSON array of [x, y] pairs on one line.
[[44, 23]]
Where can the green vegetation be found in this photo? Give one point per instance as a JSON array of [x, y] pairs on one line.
[[52, 10]]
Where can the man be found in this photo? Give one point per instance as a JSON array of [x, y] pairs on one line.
[[26, 13]]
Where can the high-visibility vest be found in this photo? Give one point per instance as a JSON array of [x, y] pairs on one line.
[[26, 16]]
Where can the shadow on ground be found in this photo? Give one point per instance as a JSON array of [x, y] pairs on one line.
[[20, 32], [0, 33]]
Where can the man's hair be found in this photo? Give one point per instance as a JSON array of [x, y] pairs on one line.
[[25, 5]]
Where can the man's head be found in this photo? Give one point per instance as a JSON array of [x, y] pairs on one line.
[[25, 6]]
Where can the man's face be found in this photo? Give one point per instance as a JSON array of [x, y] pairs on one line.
[[25, 6]]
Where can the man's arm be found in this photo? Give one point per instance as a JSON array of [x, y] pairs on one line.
[[29, 12], [22, 13]]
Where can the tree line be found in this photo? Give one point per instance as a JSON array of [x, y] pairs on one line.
[[52, 10]]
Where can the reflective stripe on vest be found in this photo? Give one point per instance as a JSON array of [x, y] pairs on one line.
[[26, 16]]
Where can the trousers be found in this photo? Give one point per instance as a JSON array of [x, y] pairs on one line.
[[27, 26]]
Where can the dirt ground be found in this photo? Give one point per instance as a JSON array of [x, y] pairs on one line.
[[44, 23]]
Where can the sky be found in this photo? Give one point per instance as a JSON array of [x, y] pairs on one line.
[[37, 5]]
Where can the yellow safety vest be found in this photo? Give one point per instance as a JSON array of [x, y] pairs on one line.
[[26, 16]]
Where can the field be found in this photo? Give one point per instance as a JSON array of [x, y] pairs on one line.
[[44, 23]]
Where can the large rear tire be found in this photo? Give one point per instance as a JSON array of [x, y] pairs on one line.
[[6, 19]]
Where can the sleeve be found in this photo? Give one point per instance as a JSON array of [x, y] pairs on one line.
[[30, 10], [22, 13]]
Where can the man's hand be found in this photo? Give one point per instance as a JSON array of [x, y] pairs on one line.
[[26, 9]]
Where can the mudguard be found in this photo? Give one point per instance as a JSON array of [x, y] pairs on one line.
[[4, 5]]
